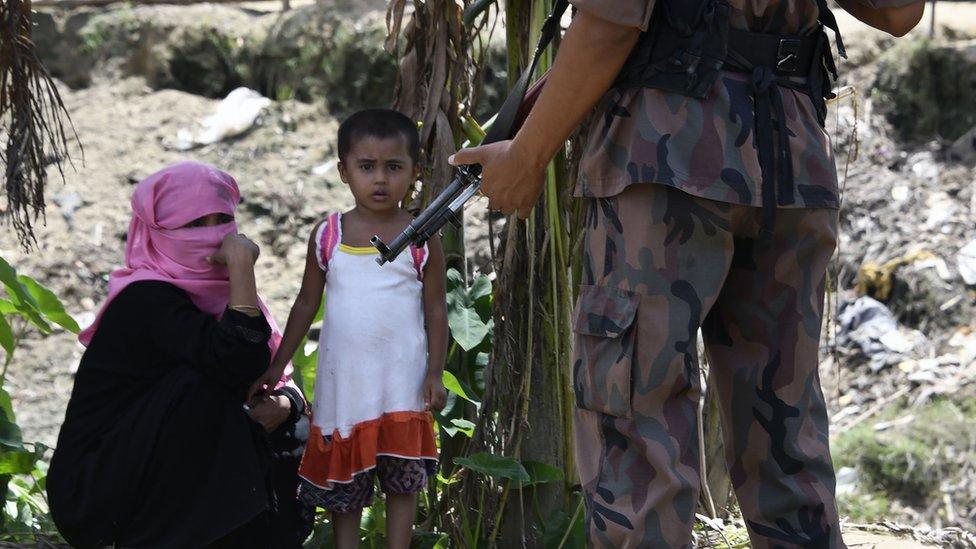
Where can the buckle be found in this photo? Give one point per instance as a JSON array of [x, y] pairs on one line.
[[787, 56]]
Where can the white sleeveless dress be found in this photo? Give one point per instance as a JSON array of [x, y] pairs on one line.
[[372, 362]]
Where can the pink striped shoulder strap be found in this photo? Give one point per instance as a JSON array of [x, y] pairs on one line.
[[419, 256], [327, 240]]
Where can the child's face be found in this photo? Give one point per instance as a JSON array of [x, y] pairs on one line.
[[379, 172]]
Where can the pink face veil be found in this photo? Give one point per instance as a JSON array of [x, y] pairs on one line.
[[160, 247]]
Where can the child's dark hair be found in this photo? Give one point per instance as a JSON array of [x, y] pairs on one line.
[[379, 123]]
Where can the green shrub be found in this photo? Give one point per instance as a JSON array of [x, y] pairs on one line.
[[926, 89]]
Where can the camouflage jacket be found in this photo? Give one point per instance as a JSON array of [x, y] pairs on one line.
[[706, 147]]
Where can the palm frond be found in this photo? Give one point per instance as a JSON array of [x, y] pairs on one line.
[[34, 123]]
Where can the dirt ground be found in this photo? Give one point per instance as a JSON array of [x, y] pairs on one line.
[[869, 540]]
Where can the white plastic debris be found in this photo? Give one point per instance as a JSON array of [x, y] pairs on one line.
[[869, 325], [900, 193], [966, 261], [323, 169], [847, 481], [924, 166], [941, 209], [236, 114]]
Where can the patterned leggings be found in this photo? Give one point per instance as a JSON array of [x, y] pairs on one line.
[[396, 476]]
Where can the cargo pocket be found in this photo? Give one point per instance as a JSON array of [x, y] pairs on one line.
[[603, 351]]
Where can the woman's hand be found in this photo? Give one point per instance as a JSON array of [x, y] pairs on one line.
[[435, 395], [270, 411], [511, 177], [236, 248]]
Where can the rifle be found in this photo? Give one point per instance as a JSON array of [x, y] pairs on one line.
[[467, 179]]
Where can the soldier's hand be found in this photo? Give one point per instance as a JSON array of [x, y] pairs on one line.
[[510, 177]]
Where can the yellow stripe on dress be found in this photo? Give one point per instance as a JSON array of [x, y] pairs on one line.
[[357, 250]]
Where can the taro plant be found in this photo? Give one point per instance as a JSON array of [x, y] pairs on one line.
[[27, 306]]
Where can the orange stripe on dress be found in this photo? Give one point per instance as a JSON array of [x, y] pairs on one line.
[[404, 434]]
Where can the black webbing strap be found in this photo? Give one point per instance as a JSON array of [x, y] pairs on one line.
[[829, 21], [772, 60], [767, 98], [504, 125]]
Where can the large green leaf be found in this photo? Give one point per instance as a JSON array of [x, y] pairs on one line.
[[467, 328], [49, 304], [6, 307], [6, 336], [540, 473], [495, 466]]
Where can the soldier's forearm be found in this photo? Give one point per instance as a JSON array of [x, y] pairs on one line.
[[590, 56], [896, 17]]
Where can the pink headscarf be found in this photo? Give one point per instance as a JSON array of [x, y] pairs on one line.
[[160, 248]]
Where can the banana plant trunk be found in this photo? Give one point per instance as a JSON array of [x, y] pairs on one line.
[[533, 337]]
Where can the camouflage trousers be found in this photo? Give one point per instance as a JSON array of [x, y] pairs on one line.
[[659, 264]]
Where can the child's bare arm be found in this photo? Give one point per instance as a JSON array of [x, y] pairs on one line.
[[299, 319], [435, 319]]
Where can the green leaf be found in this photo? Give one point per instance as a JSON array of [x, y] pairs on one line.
[[20, 297], [6, 307], [16, 462], [11, 437], [540, 473], [452, 384], [454, 279], [494, 466], [6, 336], [558, 524], [467, 328], [443, 480], [6, 405], [464, 426], [49, 304], [305, 366], [481, 287]]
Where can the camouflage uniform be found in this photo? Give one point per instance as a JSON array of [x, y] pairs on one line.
[[673, 245]]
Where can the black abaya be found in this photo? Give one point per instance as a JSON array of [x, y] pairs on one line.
[[156, 449]]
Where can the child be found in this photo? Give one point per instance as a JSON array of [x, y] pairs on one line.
[[383, 341]]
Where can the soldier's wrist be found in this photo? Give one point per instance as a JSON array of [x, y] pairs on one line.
[[533, 152]]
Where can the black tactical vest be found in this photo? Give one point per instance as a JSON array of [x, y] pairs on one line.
[[689, 42]]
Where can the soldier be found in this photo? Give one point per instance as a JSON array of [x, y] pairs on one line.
[[702, 212]]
